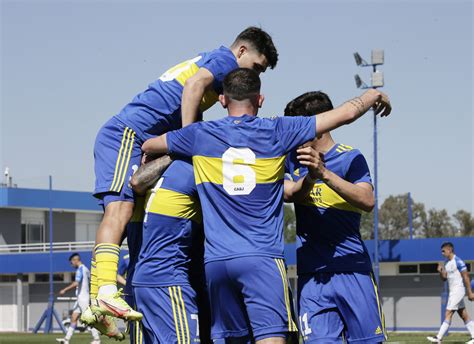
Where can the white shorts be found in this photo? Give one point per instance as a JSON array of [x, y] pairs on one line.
[[80, 305], [456, 300]]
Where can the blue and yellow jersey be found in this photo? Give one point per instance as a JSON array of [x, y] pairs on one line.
[[328, 227], [239, 170], [158, 109], [172, 220], [123, 265]]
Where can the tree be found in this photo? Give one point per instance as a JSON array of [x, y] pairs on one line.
[[393, 218], [289, 223], [438, 224], [465, 222], [367, 225]]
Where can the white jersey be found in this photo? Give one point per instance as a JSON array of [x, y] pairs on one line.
[[453, 268], [83, 276]]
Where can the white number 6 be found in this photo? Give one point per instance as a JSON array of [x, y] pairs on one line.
[[239, 179]]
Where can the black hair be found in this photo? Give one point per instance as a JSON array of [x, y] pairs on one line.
[[308, 104], [241, 83], [447, 244], [74, 255], [261, 41]]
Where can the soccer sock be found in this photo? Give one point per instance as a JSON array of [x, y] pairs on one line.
[[95, 334], [470, 327], [106, 258], [443, 329], [70, 332], [94, 286]]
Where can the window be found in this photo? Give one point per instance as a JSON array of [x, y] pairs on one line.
[[429, 268], [12, 278], [45, 277], [468, 265], [86, 226], [408, 269], [32, 233]]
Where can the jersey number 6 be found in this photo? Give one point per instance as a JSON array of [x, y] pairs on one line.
[[238, 177]]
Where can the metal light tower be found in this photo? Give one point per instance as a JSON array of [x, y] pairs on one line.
[[377, 81]]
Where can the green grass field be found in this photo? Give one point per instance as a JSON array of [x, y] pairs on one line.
[[12, 338]]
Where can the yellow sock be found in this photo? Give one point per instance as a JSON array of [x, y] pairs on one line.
[[94, 286], [106, 258]]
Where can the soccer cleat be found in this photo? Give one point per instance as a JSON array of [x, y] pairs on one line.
[[472, 339], [433, 339], [106, 325], [62, 340], [95, 342], [115, 306], [88, 317]]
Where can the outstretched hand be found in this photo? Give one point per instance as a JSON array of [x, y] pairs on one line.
[[379, 101]]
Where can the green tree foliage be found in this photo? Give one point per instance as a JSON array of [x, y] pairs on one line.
[[465, 222], [289, 223]]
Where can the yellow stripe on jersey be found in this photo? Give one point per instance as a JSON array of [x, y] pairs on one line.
[[281, 267], [187, 69], [324, 197], [267, 170], [175, 204], [380, 310], [180, 315], [185, 316], [125, 136], [124, 159], [343, 148]]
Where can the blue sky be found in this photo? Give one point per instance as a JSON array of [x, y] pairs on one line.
[[67, 66]]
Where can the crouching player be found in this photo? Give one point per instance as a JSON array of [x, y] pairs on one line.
[[330, 184], [161, 280]]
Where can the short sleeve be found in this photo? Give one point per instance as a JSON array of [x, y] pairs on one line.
[[460, 265], [358, 170], [79, 275], [220, 65], [294, 131], [181, 142]]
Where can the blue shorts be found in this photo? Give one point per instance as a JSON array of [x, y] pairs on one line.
[[117, 155], [134, 328], [249, 297], [170, 314], [340, 307]]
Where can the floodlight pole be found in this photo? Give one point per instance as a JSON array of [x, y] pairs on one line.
[[50, 312]]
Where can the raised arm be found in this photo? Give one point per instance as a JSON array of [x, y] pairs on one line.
[[148, 174], [193, 92], [352, 110]]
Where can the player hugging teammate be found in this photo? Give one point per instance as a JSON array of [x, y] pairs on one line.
[[225, 182]]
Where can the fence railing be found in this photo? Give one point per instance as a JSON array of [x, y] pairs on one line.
[[44, 247]]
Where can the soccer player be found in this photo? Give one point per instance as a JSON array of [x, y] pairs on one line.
[[455, 272], [177, 98], [239, 168], [81, 284], [330, 185], [161, 282]]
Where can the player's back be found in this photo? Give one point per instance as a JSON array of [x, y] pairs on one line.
[[239, 168], [157, 109], [172, 221]]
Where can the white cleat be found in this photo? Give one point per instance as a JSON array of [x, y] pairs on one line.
[[471, 341], [95, 342], [62, 340], [434, 339]]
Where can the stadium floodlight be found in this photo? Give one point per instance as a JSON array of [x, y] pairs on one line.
[[377, 57], [359, 60], [377, 79], [359, 82]]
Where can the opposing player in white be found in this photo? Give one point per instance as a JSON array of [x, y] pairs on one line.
[[81, 283], [455, 272]]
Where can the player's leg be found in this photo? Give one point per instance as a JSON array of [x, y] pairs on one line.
[[358, 301], [170, 314], [467, 321], [229, 323], [117, 155], [319, 319], [264, 287], [451, 308]]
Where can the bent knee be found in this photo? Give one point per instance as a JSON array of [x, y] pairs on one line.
[[119, 211]]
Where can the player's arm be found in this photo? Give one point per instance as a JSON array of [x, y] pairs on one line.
[[442, 272], [193, 91], [294, 191], [148, 174], [352, 110], [360, 195], [73, 285], [467, 284], [156, 146]]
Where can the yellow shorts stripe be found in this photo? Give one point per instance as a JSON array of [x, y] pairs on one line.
[[281, 267], [125, 161], [170, 289], [381, 315], [125, 136], [180, 315], [188, 337]]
